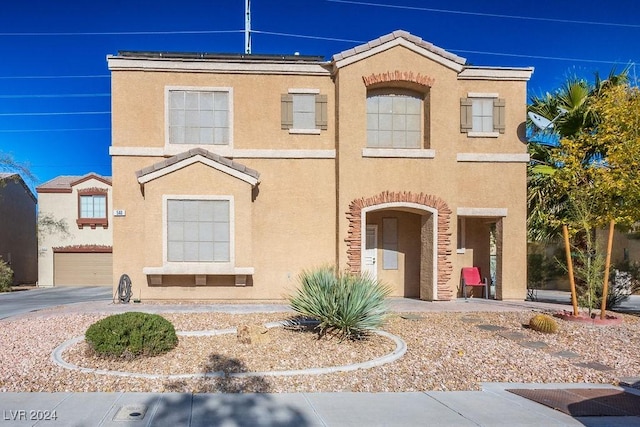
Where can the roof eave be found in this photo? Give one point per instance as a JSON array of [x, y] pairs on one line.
[[496, 73]]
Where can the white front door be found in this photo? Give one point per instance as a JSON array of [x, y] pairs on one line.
[[371, 251]]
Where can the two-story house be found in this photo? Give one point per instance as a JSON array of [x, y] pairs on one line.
[[18, 241], [234, 173], [80, 253]]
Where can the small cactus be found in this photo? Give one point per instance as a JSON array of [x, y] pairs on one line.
[[543, 323]]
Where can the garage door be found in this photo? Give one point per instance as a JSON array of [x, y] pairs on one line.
[[82, 269]]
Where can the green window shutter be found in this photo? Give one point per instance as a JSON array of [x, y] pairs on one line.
[[321, 112], [466, 119], [498, 115], [286, 107]]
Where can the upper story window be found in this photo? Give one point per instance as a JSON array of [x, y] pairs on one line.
[[304, 111], [199, 116], [395, 119], [482, 114], [92, 208], [198, 230]]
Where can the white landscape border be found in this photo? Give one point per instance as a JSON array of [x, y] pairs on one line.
[[397, 353]]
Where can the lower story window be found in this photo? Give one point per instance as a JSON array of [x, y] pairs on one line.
[[198, 231]]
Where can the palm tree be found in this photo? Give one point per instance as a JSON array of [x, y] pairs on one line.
[[569, 109]]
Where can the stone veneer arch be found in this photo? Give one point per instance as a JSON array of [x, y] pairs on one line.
[[354, 233]]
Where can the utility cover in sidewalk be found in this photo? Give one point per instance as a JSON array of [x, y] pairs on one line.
[[585, 402], [135, 411]]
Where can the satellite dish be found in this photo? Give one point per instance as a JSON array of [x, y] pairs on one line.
[[541, 123]]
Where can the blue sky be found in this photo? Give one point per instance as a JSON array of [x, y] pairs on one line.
[[54, 81]]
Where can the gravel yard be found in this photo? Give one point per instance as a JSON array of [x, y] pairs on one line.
[[445, 351]]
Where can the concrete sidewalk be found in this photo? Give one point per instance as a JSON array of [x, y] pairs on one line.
[[491, 407]]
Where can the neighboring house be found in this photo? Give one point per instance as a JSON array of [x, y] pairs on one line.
[[18, 241], [234, 173], [81, 256]]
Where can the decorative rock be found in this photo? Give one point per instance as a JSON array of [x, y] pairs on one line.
[[253, 334]]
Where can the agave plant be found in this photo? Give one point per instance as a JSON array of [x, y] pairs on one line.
[[345, 304]]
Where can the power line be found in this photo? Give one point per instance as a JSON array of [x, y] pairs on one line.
[[516, 55], [554, 58], [52, 130], [488, 15], [123, 33], [62, 95], [72, 113], [58, 77], [333, 39]]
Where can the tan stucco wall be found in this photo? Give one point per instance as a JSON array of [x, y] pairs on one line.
[[64, 206], [299, 217], [18, 242], [279, 233], [459, 184], [139, 121]]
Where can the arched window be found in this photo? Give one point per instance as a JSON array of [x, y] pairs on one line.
[[396, 118]]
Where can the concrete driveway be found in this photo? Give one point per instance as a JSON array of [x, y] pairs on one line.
[[20, 302], [630, 306]]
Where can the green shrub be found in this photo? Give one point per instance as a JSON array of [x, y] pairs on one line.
[[131, 334], [543, 323], [344, 304], [6, 277]]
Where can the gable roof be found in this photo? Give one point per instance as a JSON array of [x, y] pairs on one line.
[[196, 155], [395, 38], [64, 183]]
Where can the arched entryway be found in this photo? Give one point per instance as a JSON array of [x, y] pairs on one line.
[[408, 236]]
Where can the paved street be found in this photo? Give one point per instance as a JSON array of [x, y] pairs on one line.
[[20, 302]]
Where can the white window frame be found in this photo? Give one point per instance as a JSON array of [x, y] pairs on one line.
[[479, 96], [93, 206], [173, 149], [304, 131], [189, 267]]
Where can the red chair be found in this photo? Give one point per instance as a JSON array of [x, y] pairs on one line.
[[471, 277]]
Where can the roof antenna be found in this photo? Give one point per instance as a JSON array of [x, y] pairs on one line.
[[247, 26]]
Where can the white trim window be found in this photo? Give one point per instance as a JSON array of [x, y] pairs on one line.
[[199, 116], [199, 230], [93, 206], [482, 115], [394, 119], [304, 111]]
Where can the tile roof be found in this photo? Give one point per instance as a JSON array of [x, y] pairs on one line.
[[65, 182], [395, 35], [198, 152]]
